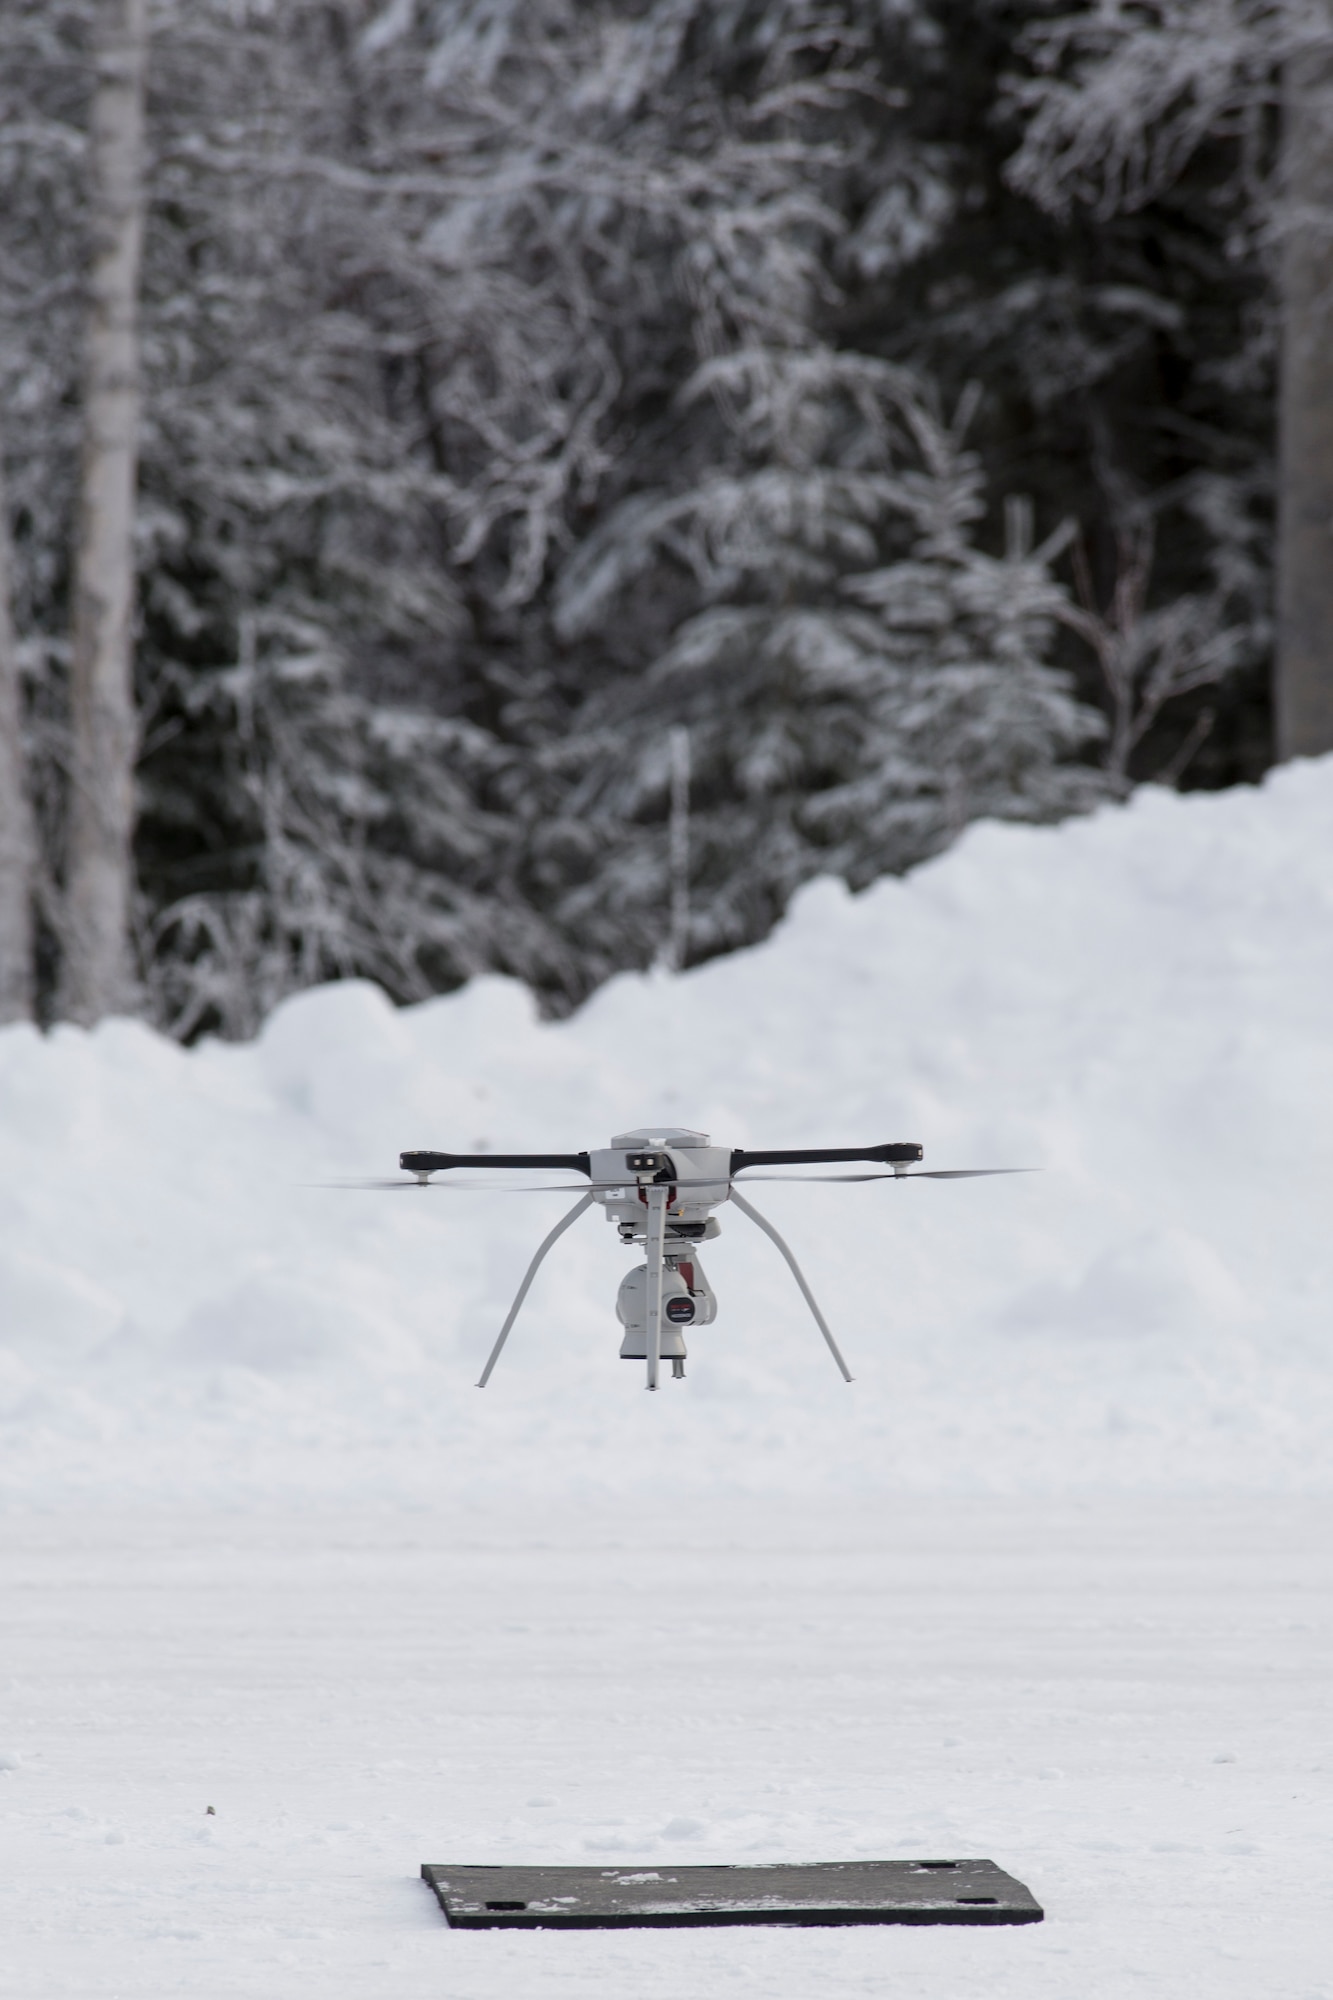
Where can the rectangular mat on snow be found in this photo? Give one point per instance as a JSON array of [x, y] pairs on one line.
[[826, 1892]]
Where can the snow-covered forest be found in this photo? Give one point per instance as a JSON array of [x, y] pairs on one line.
[[414, 413], [502, 502]]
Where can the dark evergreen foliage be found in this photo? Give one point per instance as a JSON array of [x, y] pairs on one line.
[[523, 378]]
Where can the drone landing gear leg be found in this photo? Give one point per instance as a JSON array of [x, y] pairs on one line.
[[656, 1243], [559, 1230], [806, 1292]]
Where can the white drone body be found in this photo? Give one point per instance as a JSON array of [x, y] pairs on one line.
[[668, 1291], [660, 1186]]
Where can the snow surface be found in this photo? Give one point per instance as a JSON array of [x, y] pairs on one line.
[[1048, 1582]]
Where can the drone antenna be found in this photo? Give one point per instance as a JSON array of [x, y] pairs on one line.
[[796, 1272], [559, 1230], [678, 859]]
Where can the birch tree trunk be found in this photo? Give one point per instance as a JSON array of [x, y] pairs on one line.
[[96, 972], [1304, 684], [16, 852]]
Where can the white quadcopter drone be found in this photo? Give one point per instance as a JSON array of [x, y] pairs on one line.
[[660, 1187]]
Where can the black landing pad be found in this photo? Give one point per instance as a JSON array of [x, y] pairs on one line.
[[827, 1892]]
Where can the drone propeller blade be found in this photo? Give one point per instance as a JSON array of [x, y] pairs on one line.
[[912, 1174], [457, 1186], [383, 1186], [463, 1187]]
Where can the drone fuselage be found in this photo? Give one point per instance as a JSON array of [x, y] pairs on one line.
[[666, 1180], [695, 1175]]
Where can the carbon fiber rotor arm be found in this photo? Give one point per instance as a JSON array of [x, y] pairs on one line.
[[819, 1156], [436, 1163]]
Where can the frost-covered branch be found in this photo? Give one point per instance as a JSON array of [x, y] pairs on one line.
[[1122, 94], [1148, 657]]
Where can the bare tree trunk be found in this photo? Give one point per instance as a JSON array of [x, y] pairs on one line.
[[97, 975], [16, 852], [1304, 687]]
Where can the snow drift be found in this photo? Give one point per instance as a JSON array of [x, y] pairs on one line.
[[1138, 1003]]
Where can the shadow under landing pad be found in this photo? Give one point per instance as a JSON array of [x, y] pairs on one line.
[[826, 1892]]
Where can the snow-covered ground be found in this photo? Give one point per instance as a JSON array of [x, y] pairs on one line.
[[266, 1547], [1127, 1703]]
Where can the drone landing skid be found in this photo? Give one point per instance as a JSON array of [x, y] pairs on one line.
[[799, 1276], [661, 1341], [525, 1287]]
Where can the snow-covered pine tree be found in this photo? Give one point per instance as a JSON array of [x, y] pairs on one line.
[[396, 308], [311, 801], [1121, 104], [554, 213], [356, 844], [861, 679]]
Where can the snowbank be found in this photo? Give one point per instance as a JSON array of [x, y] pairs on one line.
[[1139, 1003]]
